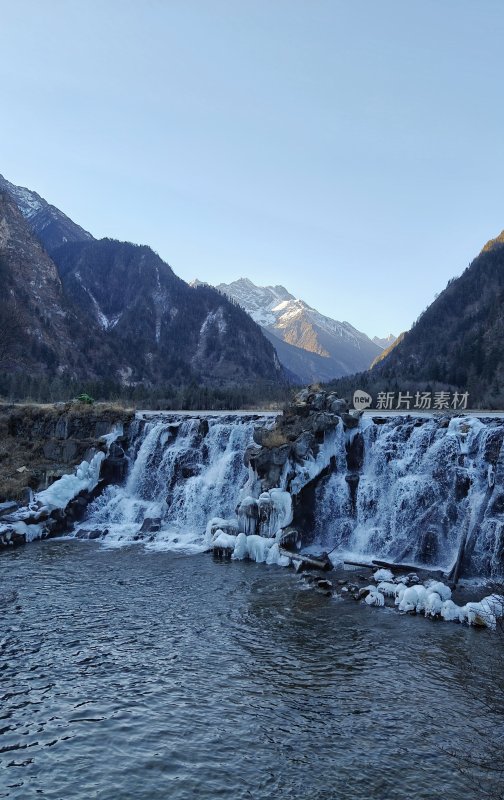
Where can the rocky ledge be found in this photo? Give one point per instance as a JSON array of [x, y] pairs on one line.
[[55, 459], [286, 461]]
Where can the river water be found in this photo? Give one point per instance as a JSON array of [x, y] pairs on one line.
[[132, 675]]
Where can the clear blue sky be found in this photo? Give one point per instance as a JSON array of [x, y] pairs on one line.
[[352, 151]]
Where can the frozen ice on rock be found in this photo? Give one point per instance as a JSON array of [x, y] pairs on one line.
[[374, 597], [433, 605], [442, 589], [390, 589], [224, 540], [383, 575], [62, 491]]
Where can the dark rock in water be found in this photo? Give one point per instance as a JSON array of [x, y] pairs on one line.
[[290, 538], [8, 598], [497, 506], [151, 525], [113, 469], [6, 508], [493, 445], [355, 453], [203, 428], [11, 538], [303, 445], [324, 584], [115, 451], [250, 453], [349, 421], [462, 484], [96, 533], [429, 546]]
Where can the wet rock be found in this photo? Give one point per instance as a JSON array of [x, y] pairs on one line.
[[151, 525], [303, 445], [7, 508], [493, 445], [318, 401], [229, 526], [95, 533], [251, 453], [323, 421], [350, 421], [290, 538], [338, 406], [116, 451], [462, 484], [355, 452], [113, 469], [497, 506], [324, 584], [248, 515], [11, 538]]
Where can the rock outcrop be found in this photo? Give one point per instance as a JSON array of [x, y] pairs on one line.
[[42, 447]]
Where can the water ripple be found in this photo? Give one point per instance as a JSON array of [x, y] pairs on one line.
[[154, 676]]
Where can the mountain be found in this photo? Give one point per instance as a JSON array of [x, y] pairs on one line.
[[32, 304], [50, 226], [114, 311], [385, 341], [459, 338], [387, 350], [162, 328], [313, 346]]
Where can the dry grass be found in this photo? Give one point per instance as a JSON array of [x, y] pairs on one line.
[[274, 438]]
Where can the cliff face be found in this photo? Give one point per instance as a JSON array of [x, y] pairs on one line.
[[39, 444]]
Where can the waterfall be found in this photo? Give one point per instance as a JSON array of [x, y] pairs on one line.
[[417, 490], [426, 490], [184, 469]]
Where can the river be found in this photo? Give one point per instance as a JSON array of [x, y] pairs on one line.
[[136, 675]]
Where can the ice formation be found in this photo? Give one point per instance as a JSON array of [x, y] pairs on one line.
[[62, 491]]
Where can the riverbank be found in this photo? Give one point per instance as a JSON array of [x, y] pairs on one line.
[[40, 443]]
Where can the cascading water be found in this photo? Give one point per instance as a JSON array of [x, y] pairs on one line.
[[421, 490], [425, 491], [184, 470]]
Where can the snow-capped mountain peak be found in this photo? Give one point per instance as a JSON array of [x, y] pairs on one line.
[[342, 347]]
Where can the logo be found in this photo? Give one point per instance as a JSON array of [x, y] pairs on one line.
[[361, 400]]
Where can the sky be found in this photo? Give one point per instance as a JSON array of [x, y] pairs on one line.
[[350, 151]]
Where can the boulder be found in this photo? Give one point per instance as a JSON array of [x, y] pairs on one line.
[[350, 421], [151, 525], [323, 421], [338, 406], [303, 445]]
